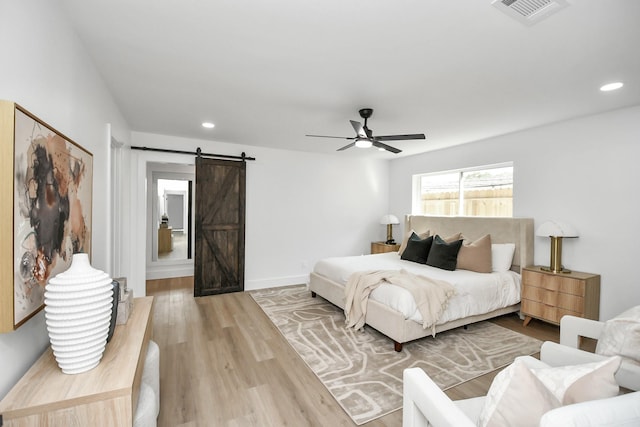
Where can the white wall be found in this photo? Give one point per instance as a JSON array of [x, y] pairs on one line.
[[583, 171], [300, 207], [46, 70]]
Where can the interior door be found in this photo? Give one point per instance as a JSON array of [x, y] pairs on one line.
[[220, 220]]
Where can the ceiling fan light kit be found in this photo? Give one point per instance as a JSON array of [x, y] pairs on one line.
[[363, 143], [365, 139]]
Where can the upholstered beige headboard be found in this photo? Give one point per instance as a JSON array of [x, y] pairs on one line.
[[502, 230]]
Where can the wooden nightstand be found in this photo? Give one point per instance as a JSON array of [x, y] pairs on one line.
[[549, 296], [382, 247]]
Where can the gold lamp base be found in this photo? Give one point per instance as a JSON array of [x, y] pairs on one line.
[[563, 271], [556, 257], [390, 240]]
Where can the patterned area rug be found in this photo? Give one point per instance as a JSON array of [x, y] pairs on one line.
[[361, 369]]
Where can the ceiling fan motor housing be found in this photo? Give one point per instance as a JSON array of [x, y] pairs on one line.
[[365, 113]]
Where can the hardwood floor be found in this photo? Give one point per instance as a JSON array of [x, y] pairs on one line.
[[223, 363]]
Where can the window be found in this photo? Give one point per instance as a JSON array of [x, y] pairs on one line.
[[482, 191]]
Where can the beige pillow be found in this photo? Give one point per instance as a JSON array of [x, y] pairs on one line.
[[403, 246], [452, 238], [476, 256]]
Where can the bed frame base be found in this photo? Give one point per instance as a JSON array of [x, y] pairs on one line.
[[391, 322]]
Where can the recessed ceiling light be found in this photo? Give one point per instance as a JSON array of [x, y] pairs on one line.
[[208, 125], [611, 86]]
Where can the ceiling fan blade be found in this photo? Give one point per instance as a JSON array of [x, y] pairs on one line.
[[357, 126], [346, 146], [326, 136], [400, 137], [379, 144]]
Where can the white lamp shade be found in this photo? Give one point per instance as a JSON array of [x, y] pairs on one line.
[[389, 219], [554, 228]]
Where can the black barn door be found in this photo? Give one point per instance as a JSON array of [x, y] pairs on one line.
[[220, 219]]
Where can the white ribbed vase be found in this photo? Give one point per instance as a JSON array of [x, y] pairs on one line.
[[77, 309]]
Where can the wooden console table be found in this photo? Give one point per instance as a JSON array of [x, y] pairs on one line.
[[105, 396]]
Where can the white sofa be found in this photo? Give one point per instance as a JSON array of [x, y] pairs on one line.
[[426, 405]]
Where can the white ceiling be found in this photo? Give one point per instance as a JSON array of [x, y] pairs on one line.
[[269, 72]]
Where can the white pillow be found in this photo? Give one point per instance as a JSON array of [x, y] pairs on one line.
[[621, 336], [580, 383], [502, 256], [524, 391], [517, 397]]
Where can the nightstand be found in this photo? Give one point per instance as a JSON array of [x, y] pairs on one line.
[[549, 296], [382, 247]]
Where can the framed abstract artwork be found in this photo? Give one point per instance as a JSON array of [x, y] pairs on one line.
[[46, 183]]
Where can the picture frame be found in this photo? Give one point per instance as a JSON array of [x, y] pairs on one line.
[[46, 185]]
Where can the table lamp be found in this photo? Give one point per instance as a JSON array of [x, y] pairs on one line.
[[389, 220], [556, 230]]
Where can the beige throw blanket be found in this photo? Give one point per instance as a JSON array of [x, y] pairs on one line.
[[431, 295]]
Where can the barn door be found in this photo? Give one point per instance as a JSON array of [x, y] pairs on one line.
[[220, 213]]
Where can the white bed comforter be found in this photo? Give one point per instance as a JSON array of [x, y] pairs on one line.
[[476, 293]]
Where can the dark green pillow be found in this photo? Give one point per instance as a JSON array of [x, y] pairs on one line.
[[417, 249], [444, 255]]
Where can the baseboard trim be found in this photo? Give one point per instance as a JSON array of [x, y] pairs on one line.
[[276, 282], [169, 272]]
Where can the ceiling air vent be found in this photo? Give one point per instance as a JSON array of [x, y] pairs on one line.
[[530, 12]]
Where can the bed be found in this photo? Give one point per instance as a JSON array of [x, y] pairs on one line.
[[329, 277]]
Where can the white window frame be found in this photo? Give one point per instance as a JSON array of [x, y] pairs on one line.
[[416, 190]]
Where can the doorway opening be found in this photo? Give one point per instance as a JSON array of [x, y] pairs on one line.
[[170, 221], [174, 210]]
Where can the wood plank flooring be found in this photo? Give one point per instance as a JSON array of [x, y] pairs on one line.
[[223, 363]]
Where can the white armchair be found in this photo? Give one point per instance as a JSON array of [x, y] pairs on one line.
[[426, 405], [571, 330]]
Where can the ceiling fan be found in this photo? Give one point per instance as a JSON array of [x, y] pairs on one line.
[[364, 136]]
